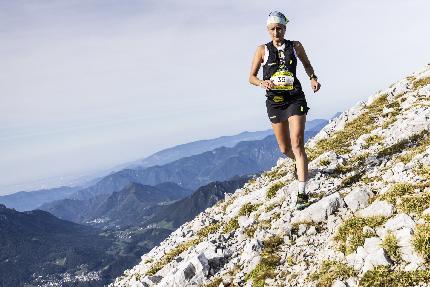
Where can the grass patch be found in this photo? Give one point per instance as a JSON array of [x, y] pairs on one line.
[[391, 246], [350, 234], [412, 141], [275, 174], [250, 231], [211, 228], [388, 122], [169, 256], [273, 189], [324, 162], [214, 283], [396, 191], [382, 276], [422, 170], [247, 209], [421, 83], [269, 261], [272, 206], [415, 203], [373, 139], [350, 180], [233, 224], [419, 148], [330, 271], [421, 240]]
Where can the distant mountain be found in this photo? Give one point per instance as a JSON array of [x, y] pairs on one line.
[[184, 150], [117, 209], [179, 212], [25, 200], [335, 115], [36, 242]]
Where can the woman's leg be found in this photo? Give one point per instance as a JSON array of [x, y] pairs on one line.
[[297, 133], [282, 134]]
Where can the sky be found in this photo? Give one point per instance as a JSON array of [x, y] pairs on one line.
[[87, 85]]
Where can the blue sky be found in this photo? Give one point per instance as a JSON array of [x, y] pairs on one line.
[[90, 84]]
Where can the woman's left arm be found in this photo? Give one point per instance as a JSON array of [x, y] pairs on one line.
[[301, 54]]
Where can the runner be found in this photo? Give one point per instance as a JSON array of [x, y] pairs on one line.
[[285, 101]]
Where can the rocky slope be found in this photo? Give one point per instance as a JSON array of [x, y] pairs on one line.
[[369, 177]]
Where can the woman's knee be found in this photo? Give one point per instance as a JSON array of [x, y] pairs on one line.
[[297, 147]]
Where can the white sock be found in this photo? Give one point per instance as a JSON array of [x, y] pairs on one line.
[[302, 185]]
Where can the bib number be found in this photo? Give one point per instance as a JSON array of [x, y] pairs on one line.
[[283, 80]]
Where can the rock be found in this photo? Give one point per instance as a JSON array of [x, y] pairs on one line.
[[320, 210], [338, 283], [302, 229], [399, 221], [357, 198], [245, 221], [378, 208], [311, 231]]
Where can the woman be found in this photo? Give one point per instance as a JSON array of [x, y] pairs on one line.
[[286, 103]]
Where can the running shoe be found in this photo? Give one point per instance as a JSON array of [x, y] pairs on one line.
[[302, 201]]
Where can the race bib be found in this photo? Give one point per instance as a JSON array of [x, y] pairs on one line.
[[283, 80]]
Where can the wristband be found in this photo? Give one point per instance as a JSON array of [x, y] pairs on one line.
[[313, 76]]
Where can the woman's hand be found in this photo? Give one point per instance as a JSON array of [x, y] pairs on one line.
[[315, 85], [267, 84]]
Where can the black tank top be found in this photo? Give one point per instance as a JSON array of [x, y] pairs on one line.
[[281, 68]]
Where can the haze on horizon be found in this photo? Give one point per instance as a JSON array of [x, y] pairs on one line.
[[87, 85]]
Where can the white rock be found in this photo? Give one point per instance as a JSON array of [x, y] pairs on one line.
[[338, 283], [399, 221], [377, 208], [357, 198], [320, 210]]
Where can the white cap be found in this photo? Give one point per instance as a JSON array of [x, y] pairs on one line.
[[276, 17]]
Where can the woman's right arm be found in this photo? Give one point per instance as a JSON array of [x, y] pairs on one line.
[[256, 63]]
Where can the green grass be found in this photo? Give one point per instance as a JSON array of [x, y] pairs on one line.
[[273, 189], [330, 271], [350, 233], [421, 83], [421, 240], [413, 141], [248, 208], [170, 255], [371, 140], [265, 269], [211, 228], [395, 192], [391, 246], [415, 203], [382, 276], [233, 224]]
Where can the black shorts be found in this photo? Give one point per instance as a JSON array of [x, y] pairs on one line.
[[281, 111]]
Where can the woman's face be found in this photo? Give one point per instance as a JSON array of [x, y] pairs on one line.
[[276, 31]]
